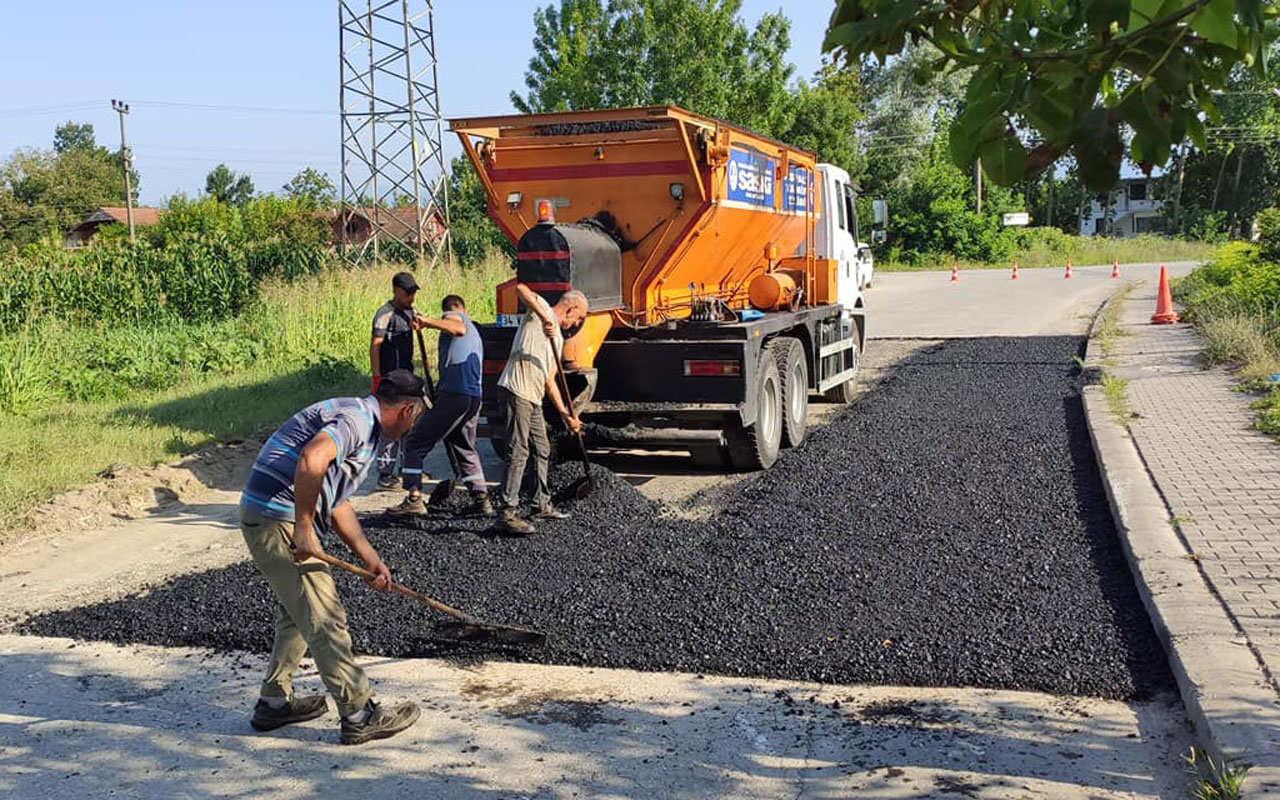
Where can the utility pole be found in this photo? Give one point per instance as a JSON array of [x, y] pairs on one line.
[[122, 108], [977, 176]]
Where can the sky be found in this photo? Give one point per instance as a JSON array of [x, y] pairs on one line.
[[253, 84]]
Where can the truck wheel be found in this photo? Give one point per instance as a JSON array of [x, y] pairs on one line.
[[845, 392], [793, 369], [756, 446]]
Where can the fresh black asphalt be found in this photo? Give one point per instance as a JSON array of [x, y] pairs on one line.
[[949, 529]]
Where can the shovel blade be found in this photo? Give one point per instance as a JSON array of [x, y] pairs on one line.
[[440, 494], [486, 632]]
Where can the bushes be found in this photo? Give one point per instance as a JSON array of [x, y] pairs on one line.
[[201, 263], [1234, 302]]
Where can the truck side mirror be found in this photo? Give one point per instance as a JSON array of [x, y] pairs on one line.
[[879, 214], [877, 235]]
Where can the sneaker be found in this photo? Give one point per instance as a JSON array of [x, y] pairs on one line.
[[480, 506], [298, 709], [411, 505], [550, 512], [387, 482], [383, 722], [514, 523]]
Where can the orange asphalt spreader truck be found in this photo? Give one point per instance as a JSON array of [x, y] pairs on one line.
[[723, 271]]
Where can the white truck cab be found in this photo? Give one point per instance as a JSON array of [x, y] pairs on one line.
[[837, 237]]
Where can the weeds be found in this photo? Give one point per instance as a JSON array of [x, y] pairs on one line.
[[1054, 250], [1214, 780], [1108, 328], [153, 392], [1116, 390], [1234, 302]]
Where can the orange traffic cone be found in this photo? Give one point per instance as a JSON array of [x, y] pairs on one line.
[[1115, 268], [1014, 277], [1164, 302], [955, 271], [1068, 275]]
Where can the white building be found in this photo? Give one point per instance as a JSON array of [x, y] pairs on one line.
[[1133, 211]]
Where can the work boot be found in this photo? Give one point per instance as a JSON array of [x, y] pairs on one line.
[[512, 522], [411, 505], [387, 483], [550, 512], [480, 506], [298, 709], [382, 722]]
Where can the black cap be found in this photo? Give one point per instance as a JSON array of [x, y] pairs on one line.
[[405, 280], [401, 383]]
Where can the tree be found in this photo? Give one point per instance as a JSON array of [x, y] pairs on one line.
[[826, 116], [72, 136], [471, 231], [225, 186], [311, 186], [697, 54], [1070, 76], [44, 192], [1219, 190]]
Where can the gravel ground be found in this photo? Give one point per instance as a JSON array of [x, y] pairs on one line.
[[950, 529]]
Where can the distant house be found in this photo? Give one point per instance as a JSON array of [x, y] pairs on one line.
[[397, 223], [1133, 211], [84, 230]]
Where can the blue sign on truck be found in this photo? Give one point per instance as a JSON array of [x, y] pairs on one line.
[[750, 178], [795, 190]]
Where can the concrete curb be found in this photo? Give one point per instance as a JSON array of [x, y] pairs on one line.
[[1221, 683]]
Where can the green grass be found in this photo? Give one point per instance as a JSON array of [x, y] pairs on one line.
[[1214, 780], [1116, 390], [302, 342], [1109, 329], [1234, 302], [1082, 250]]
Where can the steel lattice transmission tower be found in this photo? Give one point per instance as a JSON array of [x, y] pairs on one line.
[[394, 182]]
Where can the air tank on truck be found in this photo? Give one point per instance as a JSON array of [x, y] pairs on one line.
[[723, 269]]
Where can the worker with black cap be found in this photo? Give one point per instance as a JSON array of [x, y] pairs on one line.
[[391, 348], [299, 487]]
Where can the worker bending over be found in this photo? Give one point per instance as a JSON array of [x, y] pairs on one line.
[[530, 375], [455, 414], [299, 486]]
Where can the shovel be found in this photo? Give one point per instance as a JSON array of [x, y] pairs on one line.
[[584, 486], [464, 627], [443, 488]]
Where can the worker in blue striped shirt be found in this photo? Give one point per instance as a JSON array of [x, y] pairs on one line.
[[299, 487]]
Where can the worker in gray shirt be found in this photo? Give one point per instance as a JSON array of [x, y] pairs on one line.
[[391, 348]]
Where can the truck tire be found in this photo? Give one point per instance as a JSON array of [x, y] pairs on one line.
[[793, 370], [847, 391], [756, 446]]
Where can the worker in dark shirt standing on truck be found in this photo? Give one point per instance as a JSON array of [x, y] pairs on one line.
[[391, 348]]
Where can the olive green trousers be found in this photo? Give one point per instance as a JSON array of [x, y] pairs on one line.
[[309, 616]]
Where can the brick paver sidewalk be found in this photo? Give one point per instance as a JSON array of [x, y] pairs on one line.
[[1219, 477]]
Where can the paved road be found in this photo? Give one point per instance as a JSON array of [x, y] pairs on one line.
[[928, 305], [91, 719]]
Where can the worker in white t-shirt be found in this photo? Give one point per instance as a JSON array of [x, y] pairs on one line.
[[529, 376]]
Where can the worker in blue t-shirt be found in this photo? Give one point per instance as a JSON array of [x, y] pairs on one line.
[[456, 413]]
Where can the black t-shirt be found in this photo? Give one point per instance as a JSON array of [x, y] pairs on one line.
[[395, 326]]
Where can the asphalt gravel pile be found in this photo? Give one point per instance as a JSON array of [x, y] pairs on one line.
[[950, 529]]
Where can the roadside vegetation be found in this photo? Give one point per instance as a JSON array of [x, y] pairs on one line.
[[1234, 302], [202, 333], [1050, 247]]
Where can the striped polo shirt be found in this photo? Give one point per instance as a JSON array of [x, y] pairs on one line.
[[354, 424]]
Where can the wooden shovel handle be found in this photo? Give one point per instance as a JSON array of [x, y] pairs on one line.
[[399, 588], [568, 401]]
